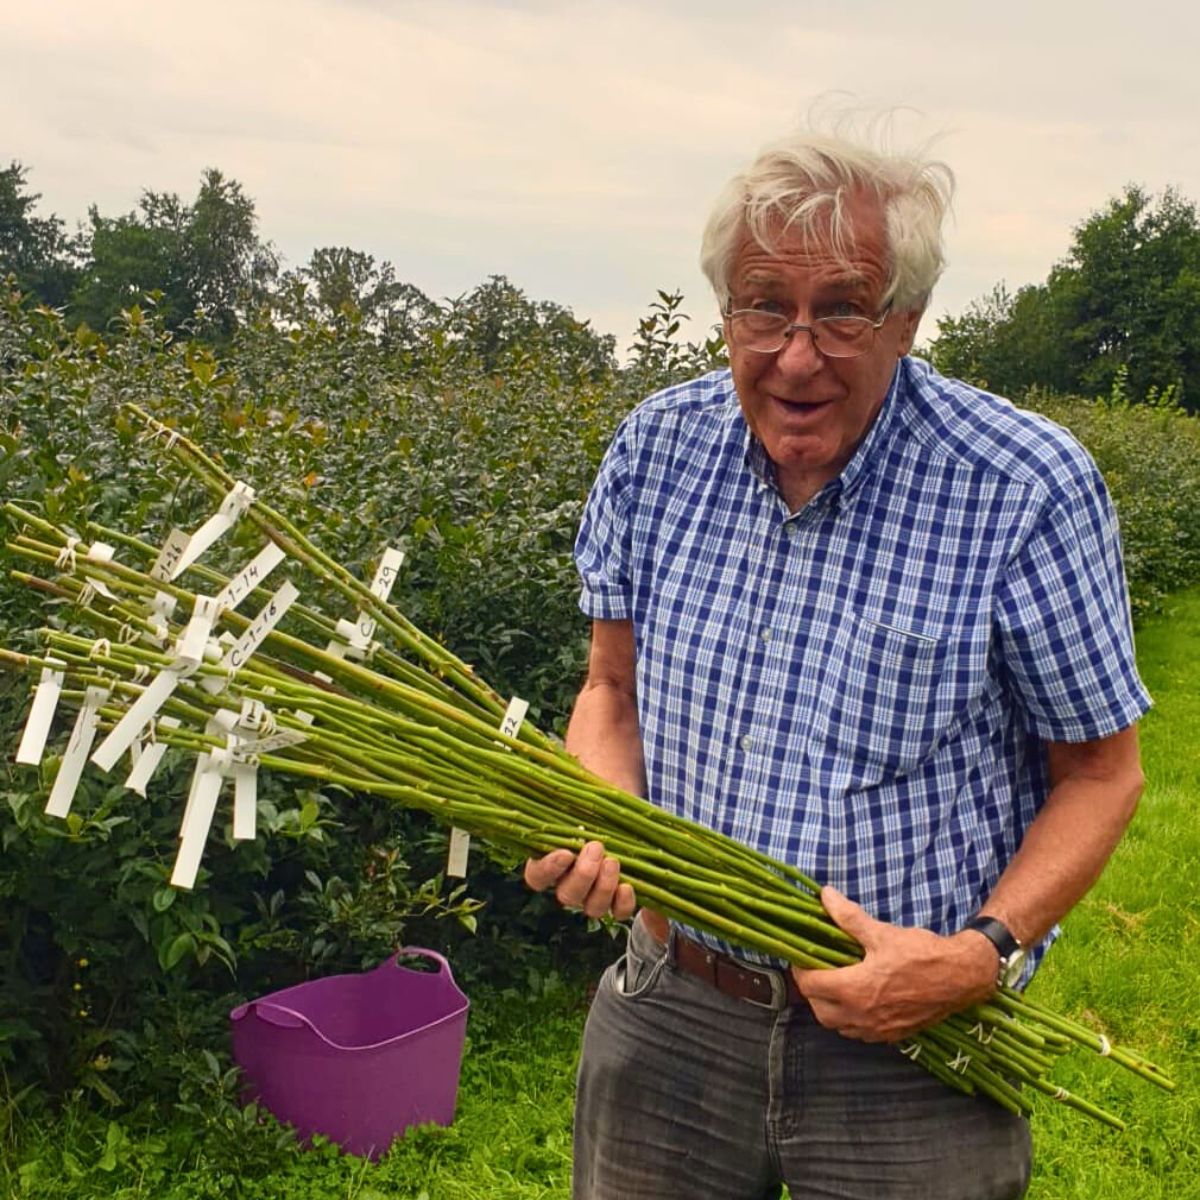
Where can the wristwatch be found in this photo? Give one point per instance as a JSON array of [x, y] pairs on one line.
[[1012, 953]]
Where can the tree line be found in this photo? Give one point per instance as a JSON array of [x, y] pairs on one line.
[[1119, 313], [207, 272]]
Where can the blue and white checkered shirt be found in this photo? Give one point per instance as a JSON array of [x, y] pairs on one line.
[[861, 688]]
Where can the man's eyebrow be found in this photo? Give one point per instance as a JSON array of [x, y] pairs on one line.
[[851, 281], [763, 282]]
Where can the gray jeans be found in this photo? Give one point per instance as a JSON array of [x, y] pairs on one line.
[[687, 1094]]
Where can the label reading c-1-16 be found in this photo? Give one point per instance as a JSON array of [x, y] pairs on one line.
[[270, 615]]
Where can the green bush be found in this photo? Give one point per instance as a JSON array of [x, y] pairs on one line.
[[1149, 455], [473, 449], [479, 475]]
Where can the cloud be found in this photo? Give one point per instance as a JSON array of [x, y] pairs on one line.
[[576, 146]]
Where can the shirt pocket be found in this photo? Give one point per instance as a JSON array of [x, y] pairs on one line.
[[882, 704]]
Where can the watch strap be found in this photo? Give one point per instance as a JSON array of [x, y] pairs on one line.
[[998, 934]]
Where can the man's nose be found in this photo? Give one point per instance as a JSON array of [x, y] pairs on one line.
[[799, 354]]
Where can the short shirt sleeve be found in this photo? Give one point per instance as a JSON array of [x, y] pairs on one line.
[[1065, 628], [602, 546]]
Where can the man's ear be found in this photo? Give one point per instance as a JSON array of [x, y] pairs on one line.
[[908, 329]]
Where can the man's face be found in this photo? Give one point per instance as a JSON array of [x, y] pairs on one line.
[[809, 411]]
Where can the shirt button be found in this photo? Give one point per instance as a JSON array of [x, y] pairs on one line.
[[746, 742], [790, 529], [765, 633]]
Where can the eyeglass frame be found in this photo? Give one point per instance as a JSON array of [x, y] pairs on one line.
[[794, 327]]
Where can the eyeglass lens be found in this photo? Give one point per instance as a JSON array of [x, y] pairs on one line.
[[838, 337]]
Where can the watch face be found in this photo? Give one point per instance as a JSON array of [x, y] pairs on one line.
[[1011, 967]]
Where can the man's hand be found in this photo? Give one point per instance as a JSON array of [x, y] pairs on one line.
[[908, 979], [588, 882], [603, 735]]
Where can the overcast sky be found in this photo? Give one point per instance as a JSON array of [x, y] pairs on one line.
[[576, 147]]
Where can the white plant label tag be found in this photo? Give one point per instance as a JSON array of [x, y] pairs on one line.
[[197, 820], [269, 616], [71, 768], [460, 840], [460, 848], [280, 740], [169, 557], [99, 552], [136, 717], [150, 756], [514, 716], [189, 650], [354, 637], [237, 500], [189, 653], [245, 801], [41, 716], [250, 576], [381, 589]]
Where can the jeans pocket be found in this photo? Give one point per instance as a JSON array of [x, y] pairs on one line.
[[635, 974]]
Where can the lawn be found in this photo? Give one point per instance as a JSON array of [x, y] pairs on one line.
[[1129, 959], [1128, 962]]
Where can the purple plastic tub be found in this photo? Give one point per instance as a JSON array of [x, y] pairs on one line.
[[357, 1058]]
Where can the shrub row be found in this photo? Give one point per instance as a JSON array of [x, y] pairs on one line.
[[476, 466]]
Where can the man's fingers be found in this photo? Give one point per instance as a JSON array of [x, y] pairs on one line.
[[545, 872], [576, 885], [589, 882], [624, 902], [830, 986], [849, 917], [599, 901]]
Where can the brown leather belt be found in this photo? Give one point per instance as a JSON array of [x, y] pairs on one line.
[[764, 986]]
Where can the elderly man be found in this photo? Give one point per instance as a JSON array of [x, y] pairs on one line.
[[873, 622]]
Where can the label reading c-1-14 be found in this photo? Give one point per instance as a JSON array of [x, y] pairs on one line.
[[250, 576]]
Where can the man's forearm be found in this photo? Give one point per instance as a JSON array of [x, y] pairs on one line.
[[1065, 849], [911, 978], [603, 734]]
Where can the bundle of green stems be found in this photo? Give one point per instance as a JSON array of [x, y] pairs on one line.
[[417, 726]]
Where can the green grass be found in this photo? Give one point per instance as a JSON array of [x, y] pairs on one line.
[[1128, 961], [511, 1138]]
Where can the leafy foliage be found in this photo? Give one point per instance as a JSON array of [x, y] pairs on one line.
[[1149, 454], [1124, 304], [477, 461], [467, 433], [35, 251], [203, 261]]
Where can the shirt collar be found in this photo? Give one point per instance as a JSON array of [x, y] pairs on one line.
[[859, 467]]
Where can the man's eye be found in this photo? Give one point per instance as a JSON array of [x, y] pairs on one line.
[[766, 306], [844, 308]]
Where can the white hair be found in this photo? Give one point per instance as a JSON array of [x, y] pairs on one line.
[[803, 183]]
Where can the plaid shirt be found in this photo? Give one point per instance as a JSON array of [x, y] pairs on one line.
[[861, 688]]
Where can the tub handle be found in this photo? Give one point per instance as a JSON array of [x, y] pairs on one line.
[[277, 1014], [408, 951]]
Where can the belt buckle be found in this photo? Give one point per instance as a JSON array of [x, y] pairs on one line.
[[778, 998]]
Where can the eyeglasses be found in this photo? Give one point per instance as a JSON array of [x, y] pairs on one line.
[[765, 332]]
